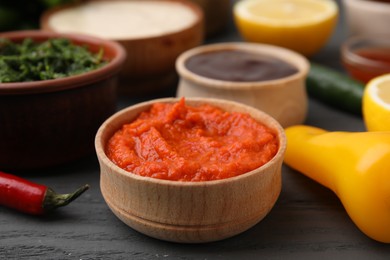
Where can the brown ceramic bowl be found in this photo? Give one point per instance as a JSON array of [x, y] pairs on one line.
[[189, 212], [45, 123], [150, 63]]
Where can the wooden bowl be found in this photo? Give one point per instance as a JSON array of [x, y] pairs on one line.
[[285, 99], [45, 123], [150, 63], [189, 212]]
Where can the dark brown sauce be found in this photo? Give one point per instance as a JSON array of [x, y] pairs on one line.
[[239, 66]]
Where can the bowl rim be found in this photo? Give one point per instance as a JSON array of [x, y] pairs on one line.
[[297, 60], [271, 123], [53, 85], [199, 19], [349, 56]]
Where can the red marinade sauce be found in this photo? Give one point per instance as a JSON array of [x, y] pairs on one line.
[[378, 63], [174, 141], [239, 66]]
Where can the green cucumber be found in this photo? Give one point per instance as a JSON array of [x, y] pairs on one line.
[[335, 89]]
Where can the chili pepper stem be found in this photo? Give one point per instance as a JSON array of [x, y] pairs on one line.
[[54, 200]]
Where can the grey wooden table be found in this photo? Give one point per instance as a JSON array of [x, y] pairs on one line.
[[307, 222]]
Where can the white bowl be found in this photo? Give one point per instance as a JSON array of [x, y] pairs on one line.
[[367, 17]]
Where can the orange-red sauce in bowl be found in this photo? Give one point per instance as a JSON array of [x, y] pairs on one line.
[[174, 141]]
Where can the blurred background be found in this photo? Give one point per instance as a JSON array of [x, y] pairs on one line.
[[24, 14]]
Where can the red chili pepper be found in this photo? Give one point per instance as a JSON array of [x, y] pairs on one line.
[[32, 198]]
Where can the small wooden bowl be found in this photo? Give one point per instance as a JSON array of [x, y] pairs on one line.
[[50, 122], [150, 63], [189, 212], [284, 99]]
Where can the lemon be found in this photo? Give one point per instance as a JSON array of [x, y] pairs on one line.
[[376, 104], [300, 25]]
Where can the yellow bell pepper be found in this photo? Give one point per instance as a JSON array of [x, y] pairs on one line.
[[354, 165]]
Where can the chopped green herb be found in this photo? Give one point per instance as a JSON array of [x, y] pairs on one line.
[[51, 59]]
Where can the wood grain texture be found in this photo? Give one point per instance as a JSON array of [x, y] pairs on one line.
[[307, 221], [190, 212]]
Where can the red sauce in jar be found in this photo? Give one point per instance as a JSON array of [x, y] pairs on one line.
[[370, 63], [239, 66], [184, 143]]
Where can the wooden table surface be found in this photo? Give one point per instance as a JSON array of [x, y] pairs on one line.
[[307, 222]]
